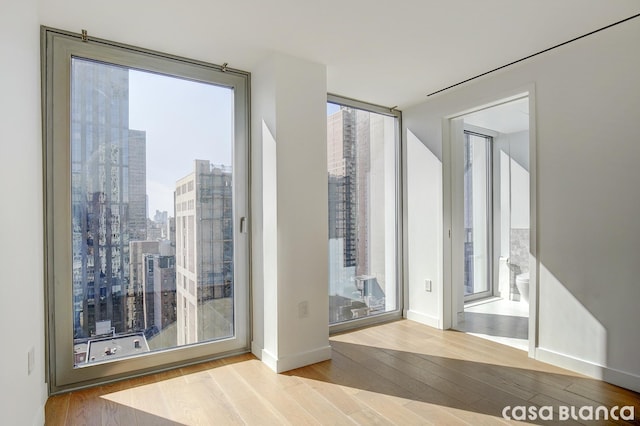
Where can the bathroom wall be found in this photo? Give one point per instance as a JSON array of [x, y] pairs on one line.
[[516, 156]]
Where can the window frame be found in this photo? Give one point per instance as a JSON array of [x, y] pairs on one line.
[[399, 217], [58, 47], [489, 137]]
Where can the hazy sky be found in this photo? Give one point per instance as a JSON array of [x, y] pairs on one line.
[[183, 121], [331, 108]]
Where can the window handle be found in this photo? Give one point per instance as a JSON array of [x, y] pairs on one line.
[[243, 225]]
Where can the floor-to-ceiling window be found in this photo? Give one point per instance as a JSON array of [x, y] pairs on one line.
[[363, 178], [477, 215], [146, 159]]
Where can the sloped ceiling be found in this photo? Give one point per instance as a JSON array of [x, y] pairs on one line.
[[389, 53]]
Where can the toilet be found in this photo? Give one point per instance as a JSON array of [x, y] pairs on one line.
[[522, 284]]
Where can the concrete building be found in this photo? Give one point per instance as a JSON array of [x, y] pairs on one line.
[[151, 300], [158, 227], [204, 247], [164, 290], [137, 319], [121, 346], [109, 194], [137, 183]]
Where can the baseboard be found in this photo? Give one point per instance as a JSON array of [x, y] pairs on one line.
[[291, 362], [424, 319], [622, 379], [39, 418], [256, 350], [269, 359], [607, 374]]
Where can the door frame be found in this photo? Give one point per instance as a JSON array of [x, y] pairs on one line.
[[453, 269]]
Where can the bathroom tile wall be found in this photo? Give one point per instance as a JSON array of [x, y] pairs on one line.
[[518, 257]]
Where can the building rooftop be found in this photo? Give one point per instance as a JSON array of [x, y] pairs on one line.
[[110, 348]]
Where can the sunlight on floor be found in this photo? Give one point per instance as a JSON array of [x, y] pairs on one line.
[[225, 389]]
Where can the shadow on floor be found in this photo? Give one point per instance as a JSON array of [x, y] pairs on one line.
[[495, 325], [473, 387]]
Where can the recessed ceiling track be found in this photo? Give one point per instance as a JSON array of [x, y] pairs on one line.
[[535, 54]]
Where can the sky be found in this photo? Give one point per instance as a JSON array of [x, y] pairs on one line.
[[184, 121], [331, 108]]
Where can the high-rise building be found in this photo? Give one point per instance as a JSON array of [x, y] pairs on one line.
[[108, 194], [157, 229], [204, 253], [136, 315], [359, 162], [137, 183], [161, 217], [341, 158], [160, 300]]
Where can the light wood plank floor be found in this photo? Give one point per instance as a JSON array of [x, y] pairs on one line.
[[399, 373]]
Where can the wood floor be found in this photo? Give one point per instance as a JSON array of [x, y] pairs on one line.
[[399, 373]]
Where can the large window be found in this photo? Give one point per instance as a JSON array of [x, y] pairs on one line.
[[363, 158], [146, 159]]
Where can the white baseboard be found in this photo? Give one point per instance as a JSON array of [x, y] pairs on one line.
[[622, 379], [39, 418], [290, 362], [424, 319], [256, 350], [269, 359], [609, 375]]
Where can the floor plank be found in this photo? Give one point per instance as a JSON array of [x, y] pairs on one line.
[[400, 373]]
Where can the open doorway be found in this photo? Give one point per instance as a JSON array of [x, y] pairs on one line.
[[493, 245]]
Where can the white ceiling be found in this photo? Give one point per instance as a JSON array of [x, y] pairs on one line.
[[510, 117], [390, 53]]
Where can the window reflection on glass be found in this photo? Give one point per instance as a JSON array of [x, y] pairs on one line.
[[361, 148], [152, 237]]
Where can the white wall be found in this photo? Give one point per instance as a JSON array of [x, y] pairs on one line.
[[290, 213], [424, 231], [519, 175], [21, 248], [587, 99]]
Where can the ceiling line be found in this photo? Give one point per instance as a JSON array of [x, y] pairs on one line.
[[535, 54]]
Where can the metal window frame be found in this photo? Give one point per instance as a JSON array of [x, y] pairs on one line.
[[399, 212], [489, 138], [57, 48]]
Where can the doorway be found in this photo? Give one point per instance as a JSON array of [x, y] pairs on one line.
[[491, 219]]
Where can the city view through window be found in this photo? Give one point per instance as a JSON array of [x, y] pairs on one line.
[[361, 148], [152, 215]]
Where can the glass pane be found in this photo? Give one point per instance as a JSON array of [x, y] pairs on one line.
[[362, 213], [476, 214], [151, 166]]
